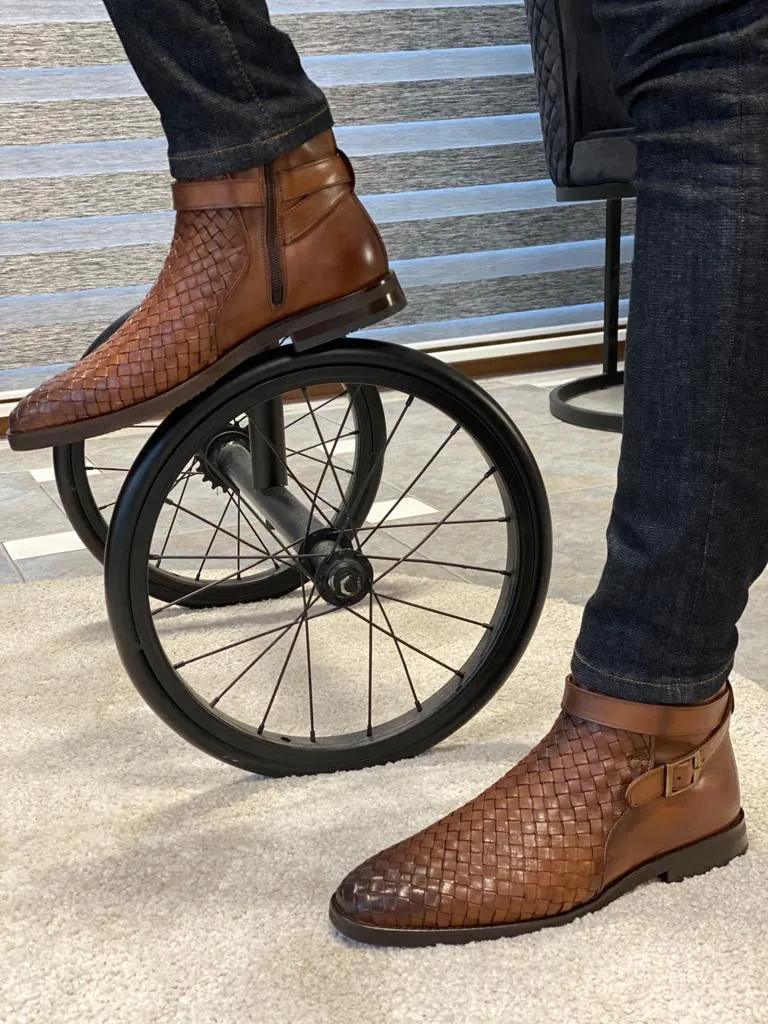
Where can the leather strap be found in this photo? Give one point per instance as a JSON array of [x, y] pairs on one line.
[[296, 182], [219, 195], [677, 776], [650, 719]]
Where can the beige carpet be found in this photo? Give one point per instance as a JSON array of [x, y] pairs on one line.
[[145, 882]]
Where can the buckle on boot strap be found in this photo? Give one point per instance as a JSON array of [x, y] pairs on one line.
[[667, 780], [681, 775]]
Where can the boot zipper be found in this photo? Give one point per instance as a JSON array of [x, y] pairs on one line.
[[274, 255]]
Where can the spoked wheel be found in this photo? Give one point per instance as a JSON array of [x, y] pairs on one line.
[[89, 476], [406, 617]]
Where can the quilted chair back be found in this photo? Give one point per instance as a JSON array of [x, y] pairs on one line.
[[576, 97]]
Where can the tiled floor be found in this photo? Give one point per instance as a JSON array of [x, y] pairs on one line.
[[579, 467]]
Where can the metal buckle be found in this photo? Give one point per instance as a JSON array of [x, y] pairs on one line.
[[669, 773]]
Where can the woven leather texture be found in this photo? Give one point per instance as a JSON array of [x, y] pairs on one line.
[[531, 846], [215, 292], [549, 66], [166, 341]]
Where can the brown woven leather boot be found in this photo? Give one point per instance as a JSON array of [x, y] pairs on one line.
[[283, 251], [617, 793]]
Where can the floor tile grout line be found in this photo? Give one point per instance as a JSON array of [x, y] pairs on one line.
[[14, 566]]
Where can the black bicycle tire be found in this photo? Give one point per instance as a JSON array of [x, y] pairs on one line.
[[123, 583]]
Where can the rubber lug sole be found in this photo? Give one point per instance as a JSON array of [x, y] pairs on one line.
[[696, 859], [314, 327]]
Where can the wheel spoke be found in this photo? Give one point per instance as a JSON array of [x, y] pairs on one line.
[[249, 639], [254, 531], [399, 649], [203, 589], [173, 519], [213, 538], [239, 546], [312, 447], [210, 522], [282, 630], [413, 482], [309, 665], [376, 465], [334, 508], [405, 643], [317, 496], [278, 684], [335, 398], [193, 556], [321, 462], [223, 579], [230, 686], [369, 730], [436, 611], [300, 485], [441, 522], [433, 561], [328, 456], [434, 529]]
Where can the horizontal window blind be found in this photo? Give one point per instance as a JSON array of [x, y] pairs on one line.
[[440, 120]]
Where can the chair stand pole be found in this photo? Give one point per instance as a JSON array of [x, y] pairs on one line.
[[612, 289], [561, 397]]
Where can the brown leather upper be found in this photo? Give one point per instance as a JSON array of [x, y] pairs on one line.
[[215, 288], [558, 828]]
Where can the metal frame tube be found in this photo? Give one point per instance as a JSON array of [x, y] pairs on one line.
[[286, 513], [266, 437]]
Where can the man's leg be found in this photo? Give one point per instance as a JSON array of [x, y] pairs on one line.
[[229, 86], [271, 241], [689, 529], [626, 789]]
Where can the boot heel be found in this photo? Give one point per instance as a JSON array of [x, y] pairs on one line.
[[352, 313], [714, 852]]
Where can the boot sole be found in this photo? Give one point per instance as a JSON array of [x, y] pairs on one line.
[[316, 326], [696, 859]]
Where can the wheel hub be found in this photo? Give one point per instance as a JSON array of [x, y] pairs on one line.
[[344, 577]]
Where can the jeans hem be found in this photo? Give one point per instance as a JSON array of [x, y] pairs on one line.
[[255, 153], [672, 690]]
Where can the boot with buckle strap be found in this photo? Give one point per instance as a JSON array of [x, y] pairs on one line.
[[258, 256], [617, 793]]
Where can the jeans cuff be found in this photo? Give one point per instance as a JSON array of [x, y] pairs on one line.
[[225, 159], [647, 691]]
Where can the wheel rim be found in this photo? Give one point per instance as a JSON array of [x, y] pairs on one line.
[[185, 675]]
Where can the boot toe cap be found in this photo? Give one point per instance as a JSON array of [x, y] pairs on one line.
[[388, 895], [48, 406]]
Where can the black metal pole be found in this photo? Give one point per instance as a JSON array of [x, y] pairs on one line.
[[266, 438], [612, 290]]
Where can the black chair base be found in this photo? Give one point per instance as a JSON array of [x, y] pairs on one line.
[[560, 398], [592, 419]]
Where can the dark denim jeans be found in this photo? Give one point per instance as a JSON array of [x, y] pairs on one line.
[[229, 85], [689, 529]]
